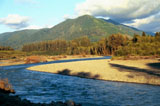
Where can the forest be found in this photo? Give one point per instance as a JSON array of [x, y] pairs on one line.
[[6, 48], [116, 44], [113, 45]]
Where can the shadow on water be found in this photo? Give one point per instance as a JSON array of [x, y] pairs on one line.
[[135, 69], [79, 74]]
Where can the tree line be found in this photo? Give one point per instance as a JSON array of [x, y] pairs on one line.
[[144, 45], [116, 44], [6, 48]]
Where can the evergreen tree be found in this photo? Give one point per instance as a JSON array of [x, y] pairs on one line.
[[143, 34]]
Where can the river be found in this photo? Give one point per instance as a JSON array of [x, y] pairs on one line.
[[46, 87]]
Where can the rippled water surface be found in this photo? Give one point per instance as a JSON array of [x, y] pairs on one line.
[[47, 87]]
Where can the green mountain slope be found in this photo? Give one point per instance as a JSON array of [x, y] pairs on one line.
[[70, 29], [16, 39]]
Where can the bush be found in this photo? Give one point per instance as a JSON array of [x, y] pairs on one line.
[[5, 86], [35, 59]]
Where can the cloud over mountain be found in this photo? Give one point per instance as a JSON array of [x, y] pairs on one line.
[[15, 21], [148, 24], [122, 10]]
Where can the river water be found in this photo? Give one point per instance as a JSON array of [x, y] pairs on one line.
[[46, 87]]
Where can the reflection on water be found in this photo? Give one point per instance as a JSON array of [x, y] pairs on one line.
[[45, 87]]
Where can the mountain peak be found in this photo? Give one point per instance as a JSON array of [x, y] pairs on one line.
[[86, 16]]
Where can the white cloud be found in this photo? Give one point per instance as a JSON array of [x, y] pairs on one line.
[[138, 22], [37, 27], [150, 24], [15, 21], [120, 10]]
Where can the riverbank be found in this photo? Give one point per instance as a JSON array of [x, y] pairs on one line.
[[7, 100], [19, 61], [144, 71]]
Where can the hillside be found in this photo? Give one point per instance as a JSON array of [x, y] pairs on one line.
[[70, 29], [17, 38]]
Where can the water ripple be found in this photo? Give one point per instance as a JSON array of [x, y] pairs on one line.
[[46, 87]]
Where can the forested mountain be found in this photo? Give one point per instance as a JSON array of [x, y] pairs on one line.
[[70, 29]]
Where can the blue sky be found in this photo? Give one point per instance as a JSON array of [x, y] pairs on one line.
[[40, 13], [36, 14]]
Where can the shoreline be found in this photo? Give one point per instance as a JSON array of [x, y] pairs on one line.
[[130, 71], [10, 62], [10, 100]]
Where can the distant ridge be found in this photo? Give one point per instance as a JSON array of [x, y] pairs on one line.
[[116, 23], [70, 29], [111, 21]]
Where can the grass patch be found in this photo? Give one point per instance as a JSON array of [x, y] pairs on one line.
[[11, 54]]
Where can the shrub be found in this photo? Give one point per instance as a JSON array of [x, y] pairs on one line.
[[5, 86], [35, 59]]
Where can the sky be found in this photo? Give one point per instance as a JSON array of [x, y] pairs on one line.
[[36, 14]]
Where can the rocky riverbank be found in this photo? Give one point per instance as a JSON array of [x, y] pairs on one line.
[[7, 100]]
